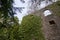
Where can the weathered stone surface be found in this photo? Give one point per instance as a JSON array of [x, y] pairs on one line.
[[51, 23]]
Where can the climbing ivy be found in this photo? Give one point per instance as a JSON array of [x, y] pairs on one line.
[[31, 28]]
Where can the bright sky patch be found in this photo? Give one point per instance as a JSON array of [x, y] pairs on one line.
[[47, 12]]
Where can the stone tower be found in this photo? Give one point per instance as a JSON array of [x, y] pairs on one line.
[[51, 23], [51, 27]]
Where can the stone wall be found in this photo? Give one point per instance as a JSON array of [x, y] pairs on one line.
[[51, 23], [51, 27]]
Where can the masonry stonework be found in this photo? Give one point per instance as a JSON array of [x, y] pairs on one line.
[[51, 23]]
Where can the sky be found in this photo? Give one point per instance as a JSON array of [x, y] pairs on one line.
[[24, 12], [47, 12]]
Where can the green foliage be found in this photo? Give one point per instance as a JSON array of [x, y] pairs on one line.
[[31, 28], [3, 34], [6, 12], [10, 29], [11, 33]]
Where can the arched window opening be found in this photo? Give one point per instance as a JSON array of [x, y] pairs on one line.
[[47, 12]]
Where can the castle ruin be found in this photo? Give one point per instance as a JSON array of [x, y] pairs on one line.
[[51, 23]]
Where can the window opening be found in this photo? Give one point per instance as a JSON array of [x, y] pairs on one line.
[[47, 12], [51, 22]]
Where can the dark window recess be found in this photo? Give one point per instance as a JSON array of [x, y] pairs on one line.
[[51, 22]]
